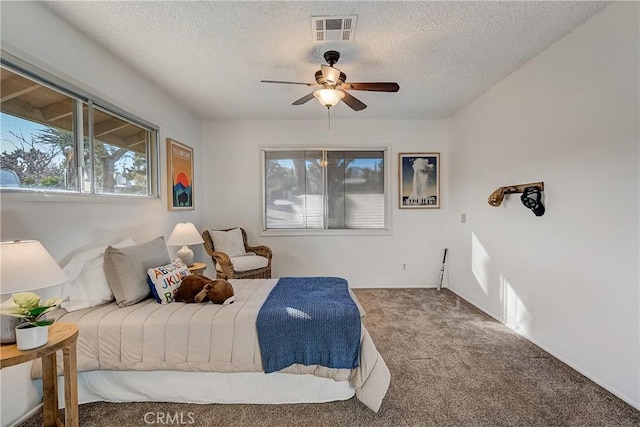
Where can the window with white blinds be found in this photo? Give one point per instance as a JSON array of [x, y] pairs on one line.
[[324, 189]]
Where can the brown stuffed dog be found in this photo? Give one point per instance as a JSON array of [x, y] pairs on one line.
[[196, 288]]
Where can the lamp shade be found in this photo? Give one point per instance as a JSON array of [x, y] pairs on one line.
[[330, 74], [328, 97], [184, 233], [25, 265]]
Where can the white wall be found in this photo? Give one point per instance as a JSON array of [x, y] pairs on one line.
[[232, 156], [568, 280], [63, 225]]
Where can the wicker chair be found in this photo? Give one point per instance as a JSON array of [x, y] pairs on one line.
[[224, 266]]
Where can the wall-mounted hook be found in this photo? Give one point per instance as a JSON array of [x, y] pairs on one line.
[[495, 199]]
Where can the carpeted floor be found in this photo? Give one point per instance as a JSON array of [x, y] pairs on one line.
[[450, 365]]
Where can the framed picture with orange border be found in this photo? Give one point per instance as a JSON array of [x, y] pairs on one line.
[[179, 176], [419, 180]]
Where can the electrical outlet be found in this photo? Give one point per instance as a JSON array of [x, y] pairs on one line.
[[404, 266]]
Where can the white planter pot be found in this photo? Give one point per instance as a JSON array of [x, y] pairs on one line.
[[29, 336]]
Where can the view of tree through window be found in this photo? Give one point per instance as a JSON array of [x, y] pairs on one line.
[[39, 148], [324, 189], [120, 155], [36, 156]]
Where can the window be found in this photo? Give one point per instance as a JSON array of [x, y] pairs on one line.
[[55, 139], [324, 189]]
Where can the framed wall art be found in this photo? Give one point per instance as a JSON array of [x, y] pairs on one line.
[[419, 180], [180, 176]]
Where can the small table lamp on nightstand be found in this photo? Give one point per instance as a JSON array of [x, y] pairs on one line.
[[25, 265], [185, 234]]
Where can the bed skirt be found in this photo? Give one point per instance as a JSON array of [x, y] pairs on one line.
[[206, 387]]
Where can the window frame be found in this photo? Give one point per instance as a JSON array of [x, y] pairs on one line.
[[81, 98], [385, 231]]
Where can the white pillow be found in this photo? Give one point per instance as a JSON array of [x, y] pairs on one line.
[[87, 285], [230, 242]]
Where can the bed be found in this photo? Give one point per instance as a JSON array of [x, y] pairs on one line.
[[205, 353]]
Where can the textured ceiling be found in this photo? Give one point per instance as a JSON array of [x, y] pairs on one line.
[[211, 56]]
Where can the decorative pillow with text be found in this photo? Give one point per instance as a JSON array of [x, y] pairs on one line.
[[165, 280]]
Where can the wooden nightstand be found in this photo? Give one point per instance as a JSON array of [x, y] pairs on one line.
[[62, 336], [198, 268]]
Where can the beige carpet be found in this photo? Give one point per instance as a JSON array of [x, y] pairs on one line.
[[450, 364]]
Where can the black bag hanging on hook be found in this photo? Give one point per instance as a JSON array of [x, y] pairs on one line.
[[532, 198]]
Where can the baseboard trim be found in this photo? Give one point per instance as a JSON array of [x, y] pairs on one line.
[[26, 416]]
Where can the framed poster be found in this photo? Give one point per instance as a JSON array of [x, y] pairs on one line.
[[180, 176], [419, 180]]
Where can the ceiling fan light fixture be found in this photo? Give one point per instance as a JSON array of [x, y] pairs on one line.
[[330, 74], [328, 97]]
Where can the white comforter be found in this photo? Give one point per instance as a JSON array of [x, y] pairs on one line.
[[202, 337]]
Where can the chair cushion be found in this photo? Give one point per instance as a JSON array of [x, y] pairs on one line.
[[230, 242], [249, 262]]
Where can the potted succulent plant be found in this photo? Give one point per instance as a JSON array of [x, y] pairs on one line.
[[34, 330]]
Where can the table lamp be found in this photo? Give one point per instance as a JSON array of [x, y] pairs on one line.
[[184, 234], [25, 265]]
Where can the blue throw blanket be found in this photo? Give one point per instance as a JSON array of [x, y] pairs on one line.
[[311, 321]]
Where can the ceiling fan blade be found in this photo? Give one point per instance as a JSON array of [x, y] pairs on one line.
[[304, 99], [288, 83], [353, 102], [373, 86]]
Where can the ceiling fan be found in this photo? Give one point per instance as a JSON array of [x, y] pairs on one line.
[[333, 87]]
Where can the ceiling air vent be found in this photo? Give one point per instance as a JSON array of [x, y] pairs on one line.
[[333, 28]]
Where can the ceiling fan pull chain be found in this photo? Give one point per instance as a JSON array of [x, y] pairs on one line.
[[329, 116]]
